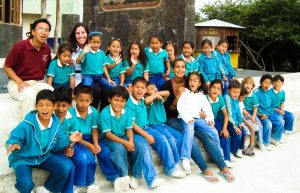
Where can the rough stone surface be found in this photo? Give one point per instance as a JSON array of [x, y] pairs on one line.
[[9, 34], [172, 20], [68, 22]]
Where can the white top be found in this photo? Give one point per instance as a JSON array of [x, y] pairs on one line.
[[191, 104], [242, 107]]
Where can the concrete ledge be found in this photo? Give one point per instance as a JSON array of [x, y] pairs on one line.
[[2, 60]]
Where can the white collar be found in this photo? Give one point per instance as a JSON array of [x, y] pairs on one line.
[[250, 95], [150, 50], [133, 100], [42, 127], [112, 113], [211, 101], [94, 52], [59, 63], [186, 59], [68, 115], [77, 113], [276, 91]]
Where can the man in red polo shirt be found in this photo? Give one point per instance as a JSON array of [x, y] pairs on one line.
[[26, 65]]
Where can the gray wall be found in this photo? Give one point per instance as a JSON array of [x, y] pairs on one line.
[[9, 35], [173, 20], [68, 22]]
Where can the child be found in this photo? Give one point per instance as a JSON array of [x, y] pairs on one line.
[[157, 120], [251, 106], [208, 63], [90, 145], [191, 104], [278, 103], [249, 128], [156, 58], [187, 55], [136, 64], [220, 117], [272, 122], [236, 125], [138, 111], [226, 69], [171, 49], [114, 64], [92, 60], [31, 144], [60, 73]]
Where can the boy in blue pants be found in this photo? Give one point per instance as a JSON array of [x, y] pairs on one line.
[[32, 143], [278, 103], [86, 118]]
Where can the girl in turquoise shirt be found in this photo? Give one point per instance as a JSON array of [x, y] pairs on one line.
[[171, 48], [187, 55]]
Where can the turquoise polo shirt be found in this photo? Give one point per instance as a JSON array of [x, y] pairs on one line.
[[233, 109], [171, 75], [156, 61], [264, 100], [45, 132], [138, 70], [86, 125], [209, 67], [217, 106], [92, 63], [60, 74], [156, 113], [110, 122], [190, 66], [138, 111], [68, 124], [225, 64], [251, 102], [278, 96], [116, 71]]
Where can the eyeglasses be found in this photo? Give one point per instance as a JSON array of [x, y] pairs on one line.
[[40, 29]]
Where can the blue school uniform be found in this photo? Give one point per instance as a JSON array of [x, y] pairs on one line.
[[274, 122], [60, 74], [116, 71], [225, 65], [156, 65], [37, 151], [209, 67], [235, 119], [190, 66], [87, 172], [139, 70]]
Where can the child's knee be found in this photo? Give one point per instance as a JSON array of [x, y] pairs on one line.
[[24, 184]]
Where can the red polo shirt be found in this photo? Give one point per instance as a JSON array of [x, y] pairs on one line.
[[27, 62]]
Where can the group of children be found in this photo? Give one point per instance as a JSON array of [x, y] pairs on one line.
[[213, 100]]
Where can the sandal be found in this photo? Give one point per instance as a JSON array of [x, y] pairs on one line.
[[210, 178], [228, 177]]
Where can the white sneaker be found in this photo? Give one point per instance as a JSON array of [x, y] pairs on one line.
[[134, 183], [93, 189], [239, 153], [274, 142], [156, 182], [75, 189], [283, 139], [232, 158], [122, 184], [269, 148], [186, 165], [177, 173], [228, 163], [41, 189], [261, 147]]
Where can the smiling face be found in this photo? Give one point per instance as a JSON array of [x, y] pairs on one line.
[[61, 108], [83, 102], [81, 36], [277, 85], [223, 48], [117, 103], [45, 109], [138, 90], [194, 82], [179, 69], [95, 42], [65, 58], [135, 51], [155, 44], [170, 49], [115, 48], [41, 33], [206, 49], [187, 50], [215, 90]]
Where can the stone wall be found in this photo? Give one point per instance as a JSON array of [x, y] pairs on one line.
[[68, 22], [172, 20], [9, 34]]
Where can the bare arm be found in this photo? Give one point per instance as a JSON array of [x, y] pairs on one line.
[[146, 75], [50, 80]]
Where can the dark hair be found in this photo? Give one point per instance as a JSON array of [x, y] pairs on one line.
[[216, 81], [34, 24], [178, 60], [80, 88], [142, 56], [234, 84], [150, 84], [72, 37], [202, 86], [62, 48], [222, 42], [45, 94], [155, 36], [277, 77], [110, 42], [243, 92], [63, 94], [139, 79], [167, 43], [190, 43], [118, 91], [206, 41], [264, 77]]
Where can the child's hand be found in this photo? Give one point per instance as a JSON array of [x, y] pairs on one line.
[[211, 124], [117, 59], [172, 57], [134, 61], [263, 116], [129, 146], [254, 121], [225, 79], [150, 139], [237, 131], [12, 148], [160, 98], [69, 151], [110, 81], [202, 114], [207, 84], [191, 121], [225, 133], [281, 112], [87, 48], [97, 148], [75, 137]]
